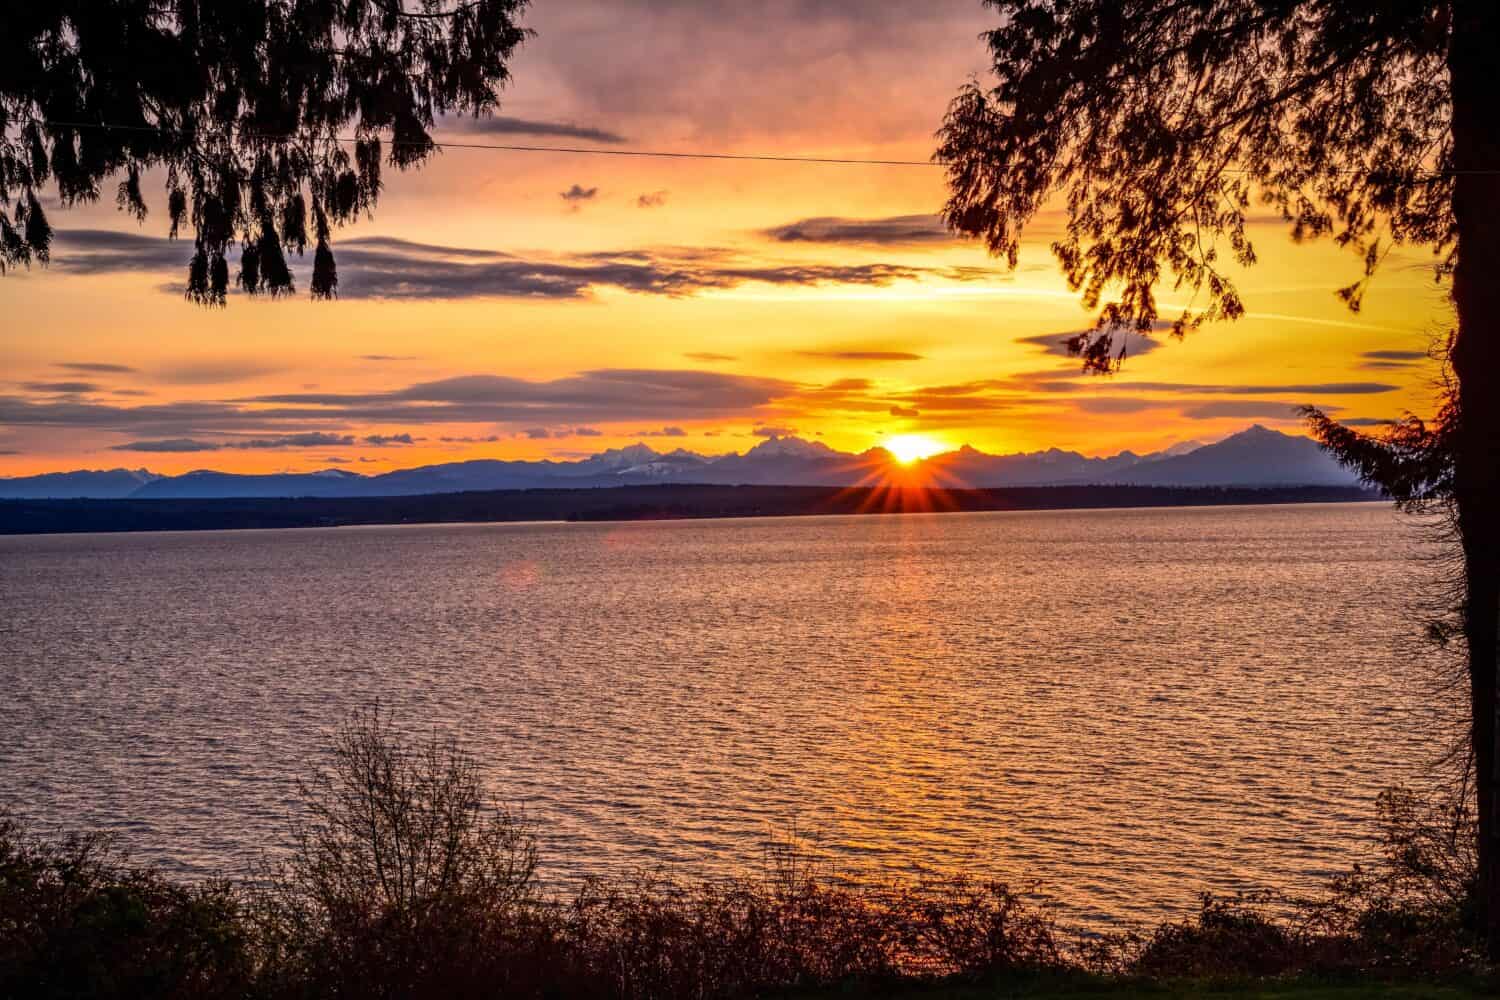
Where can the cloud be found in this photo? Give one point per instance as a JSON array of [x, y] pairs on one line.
[[94, 367], [537, 433], [662, 432], [1392, 360], [773, 431], [215, 372], [309, 439], [61, 387], [1367, 421], [381, 440], [897, 230], [1246, 410], [378, 267], [905, 411], [709, 356], [168, 445], [651, 199], [578, 194], [106, 251], [576, 404], [604, 395], [1309, 388], [389, 357], [504, 125], [470, 440], [863, 355]]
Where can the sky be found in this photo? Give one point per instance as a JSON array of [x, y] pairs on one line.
[[532, 305]]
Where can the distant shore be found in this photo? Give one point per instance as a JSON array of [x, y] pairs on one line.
[[623, 503]]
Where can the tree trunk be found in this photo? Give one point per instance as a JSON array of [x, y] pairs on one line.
[[1476, 364]]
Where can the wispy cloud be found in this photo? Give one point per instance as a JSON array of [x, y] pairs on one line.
[[93, 367], [61, 387], [897, 230], [858, 355], [503, 125]]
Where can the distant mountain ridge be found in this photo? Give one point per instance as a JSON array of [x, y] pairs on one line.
[[1256, 456]]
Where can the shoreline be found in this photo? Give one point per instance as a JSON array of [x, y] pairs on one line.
[[621, 503]]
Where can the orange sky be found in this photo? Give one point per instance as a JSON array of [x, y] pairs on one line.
[[693, 303]]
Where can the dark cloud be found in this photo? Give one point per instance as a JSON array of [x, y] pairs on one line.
[[1367, 421], [1310, 388], [94, 367], [1392, 360], [588, 432], [385, 268], [863, 355], [709, 356], [1246, 410], [905, 411], [388, 357], [307, 439], [471, 440], [61, 387], [104, 251], [898, 230], [578, 193], [381, 440], [662, 432], [537, 433], [169, 445], [651, 199], [773, 431], [335, 460], [600, 396], [504, 125]]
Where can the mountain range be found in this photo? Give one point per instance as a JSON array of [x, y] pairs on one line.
[[1256, 456]]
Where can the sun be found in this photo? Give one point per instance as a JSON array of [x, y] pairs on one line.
[[909, 448]]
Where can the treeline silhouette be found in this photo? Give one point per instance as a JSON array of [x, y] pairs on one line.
[[624, 503], [403, 880]]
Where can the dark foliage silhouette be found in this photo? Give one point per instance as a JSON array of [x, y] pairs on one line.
[[244, 106], [401, 875], [77, 919], [1162, 126]]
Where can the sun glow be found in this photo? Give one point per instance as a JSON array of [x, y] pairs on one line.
[[909, 448]]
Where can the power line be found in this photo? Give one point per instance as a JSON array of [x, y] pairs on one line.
[[590, 151]]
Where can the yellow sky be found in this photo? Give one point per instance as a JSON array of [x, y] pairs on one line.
[[531, 325]]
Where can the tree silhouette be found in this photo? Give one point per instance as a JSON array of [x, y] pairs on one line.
[[270, 119], [1160, 124]]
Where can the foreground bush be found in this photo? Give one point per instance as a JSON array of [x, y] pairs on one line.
[[403, 882], [76, 920], [401, 876]]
